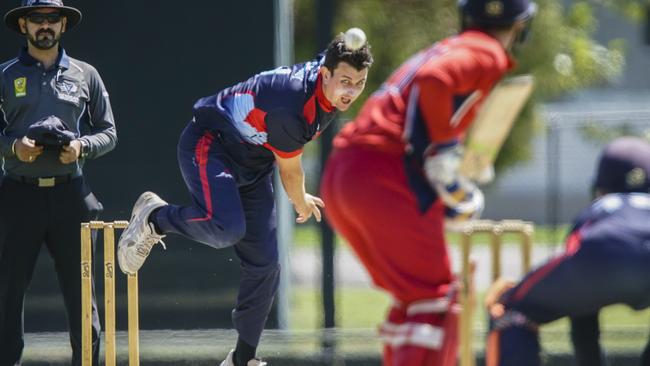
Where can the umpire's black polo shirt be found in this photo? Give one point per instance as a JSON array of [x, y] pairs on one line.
[[72, 90]]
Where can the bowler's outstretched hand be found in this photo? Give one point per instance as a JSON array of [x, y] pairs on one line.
[[309, 208]]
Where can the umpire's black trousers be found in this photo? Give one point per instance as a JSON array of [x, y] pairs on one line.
[[31, 216]]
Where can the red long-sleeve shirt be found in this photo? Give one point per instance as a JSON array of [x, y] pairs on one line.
[[432, 98]]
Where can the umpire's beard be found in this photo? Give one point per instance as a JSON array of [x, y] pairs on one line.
[[46, 42]]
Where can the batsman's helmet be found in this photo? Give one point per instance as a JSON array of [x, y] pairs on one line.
[[491, 13], [624, 166]]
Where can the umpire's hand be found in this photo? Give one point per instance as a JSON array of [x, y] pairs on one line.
[[70, 153], [26, 150]]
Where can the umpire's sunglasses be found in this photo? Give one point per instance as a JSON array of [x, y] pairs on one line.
[[40, 18]]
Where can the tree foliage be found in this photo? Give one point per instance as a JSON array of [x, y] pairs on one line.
[[633, 9], [561, 53]]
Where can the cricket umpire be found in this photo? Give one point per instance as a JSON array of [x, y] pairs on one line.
[[54, 115]]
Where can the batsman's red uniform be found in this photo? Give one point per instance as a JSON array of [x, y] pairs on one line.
[[378, 198]]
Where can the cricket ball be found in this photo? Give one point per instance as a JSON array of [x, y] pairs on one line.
[[354, 39]]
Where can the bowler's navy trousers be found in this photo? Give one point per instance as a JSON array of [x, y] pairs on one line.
[[229, 209]]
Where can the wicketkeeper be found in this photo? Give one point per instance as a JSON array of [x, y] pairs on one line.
[[606, 261]]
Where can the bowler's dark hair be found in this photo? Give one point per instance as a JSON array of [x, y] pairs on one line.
[[337, 52]]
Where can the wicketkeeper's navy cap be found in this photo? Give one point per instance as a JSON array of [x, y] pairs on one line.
[[624, 166], [50, 132], [27, 6], [496, 12]]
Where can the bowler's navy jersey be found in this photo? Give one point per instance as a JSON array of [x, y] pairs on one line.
[[275, 111]]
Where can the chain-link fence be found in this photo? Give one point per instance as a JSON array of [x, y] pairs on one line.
[[556, 184]]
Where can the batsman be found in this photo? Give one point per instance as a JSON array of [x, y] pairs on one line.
[[394, 174]]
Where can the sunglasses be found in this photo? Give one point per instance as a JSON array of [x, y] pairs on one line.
[[40, 18]]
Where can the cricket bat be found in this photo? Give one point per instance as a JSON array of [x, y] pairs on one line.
[[493, 124]]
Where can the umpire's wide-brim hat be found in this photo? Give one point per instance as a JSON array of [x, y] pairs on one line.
[[27, 6]]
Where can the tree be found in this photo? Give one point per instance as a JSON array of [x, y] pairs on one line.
[[634, 9], [561, 53]]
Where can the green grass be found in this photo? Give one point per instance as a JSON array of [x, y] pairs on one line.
[[622, 328], [308, 236], [355, 308], [544, 236]]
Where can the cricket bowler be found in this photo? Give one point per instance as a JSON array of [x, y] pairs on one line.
[[227, 154]]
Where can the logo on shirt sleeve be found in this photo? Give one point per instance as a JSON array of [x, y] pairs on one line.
[[20, 87]]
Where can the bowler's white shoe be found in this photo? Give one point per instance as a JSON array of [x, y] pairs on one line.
[[229, 362], [139, 237]]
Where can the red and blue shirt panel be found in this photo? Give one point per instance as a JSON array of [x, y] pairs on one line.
[[274, 111]]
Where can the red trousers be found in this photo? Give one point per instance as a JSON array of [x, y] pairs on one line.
[[425, 333], [368, 202]]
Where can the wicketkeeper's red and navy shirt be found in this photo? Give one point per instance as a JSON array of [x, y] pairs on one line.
[[275, 111]]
